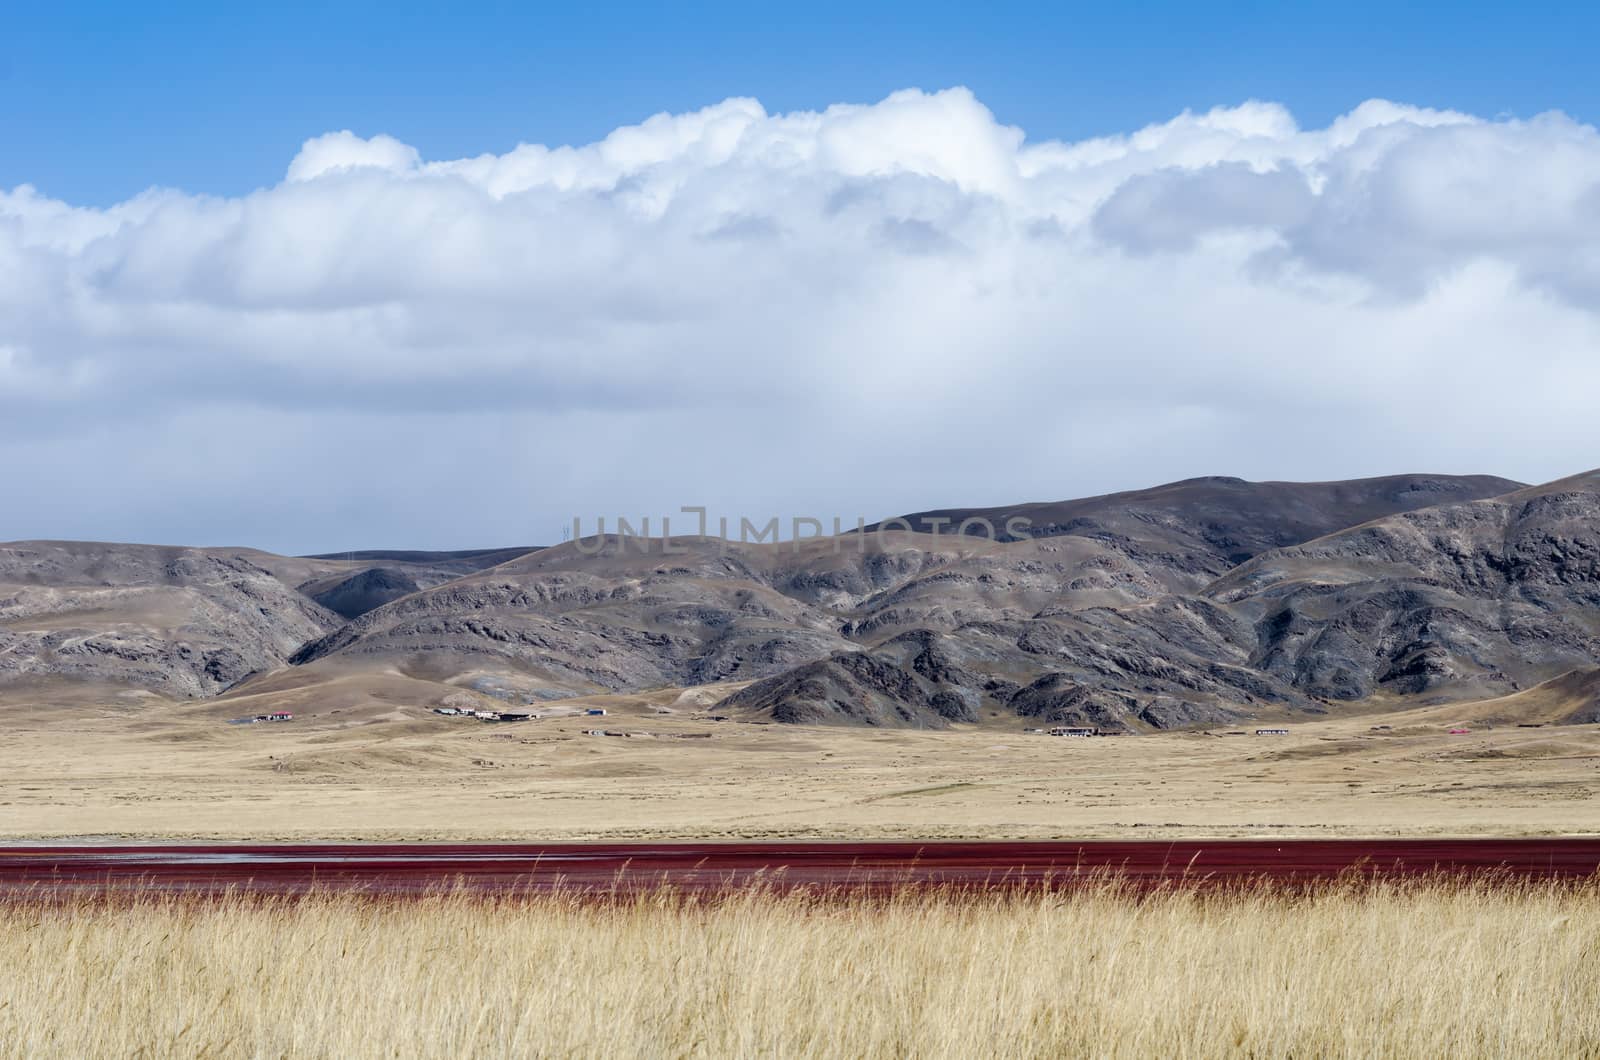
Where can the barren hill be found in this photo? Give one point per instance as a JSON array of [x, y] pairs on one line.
[[1482, 597], [363, 581], [1202, 527], [634, 615], [179, 621], [1200, 601]]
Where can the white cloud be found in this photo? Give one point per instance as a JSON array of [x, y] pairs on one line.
[[861, 310], [337, 152]]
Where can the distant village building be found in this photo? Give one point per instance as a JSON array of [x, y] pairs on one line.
[[1272, 732], [1074, 730]]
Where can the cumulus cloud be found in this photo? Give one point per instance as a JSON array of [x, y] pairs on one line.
[[861, 310], [339, 151]]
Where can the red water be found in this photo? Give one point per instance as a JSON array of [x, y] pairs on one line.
[[413, 867]]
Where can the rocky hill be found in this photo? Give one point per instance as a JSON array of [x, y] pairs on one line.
[[1202, 601], [1200, 528], [1470, 598], [632, 616], [359, 582], [178, 621], [1478, 598]]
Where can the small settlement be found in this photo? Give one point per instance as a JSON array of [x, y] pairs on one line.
[[277, 715], [486, 715], [1083, 731], [520, 715]]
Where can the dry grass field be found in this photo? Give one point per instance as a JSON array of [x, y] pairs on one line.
[[166, 772], [374, 766], [1355, 969], [1440, 969]]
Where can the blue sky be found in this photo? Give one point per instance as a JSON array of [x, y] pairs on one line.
[[1271, 242], [99, 101]]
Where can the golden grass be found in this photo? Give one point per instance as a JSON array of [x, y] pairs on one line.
[[1355, 969], [179, 771]]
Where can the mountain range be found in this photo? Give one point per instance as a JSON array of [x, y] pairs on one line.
[[1199, 602]]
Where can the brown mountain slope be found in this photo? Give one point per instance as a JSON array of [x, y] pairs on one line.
[[179, 621], [624, 619], [1479, 598], [352, 583], [1110, 618], [1571, 699], [1199, 528], [1459, 600], [634, 616]]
